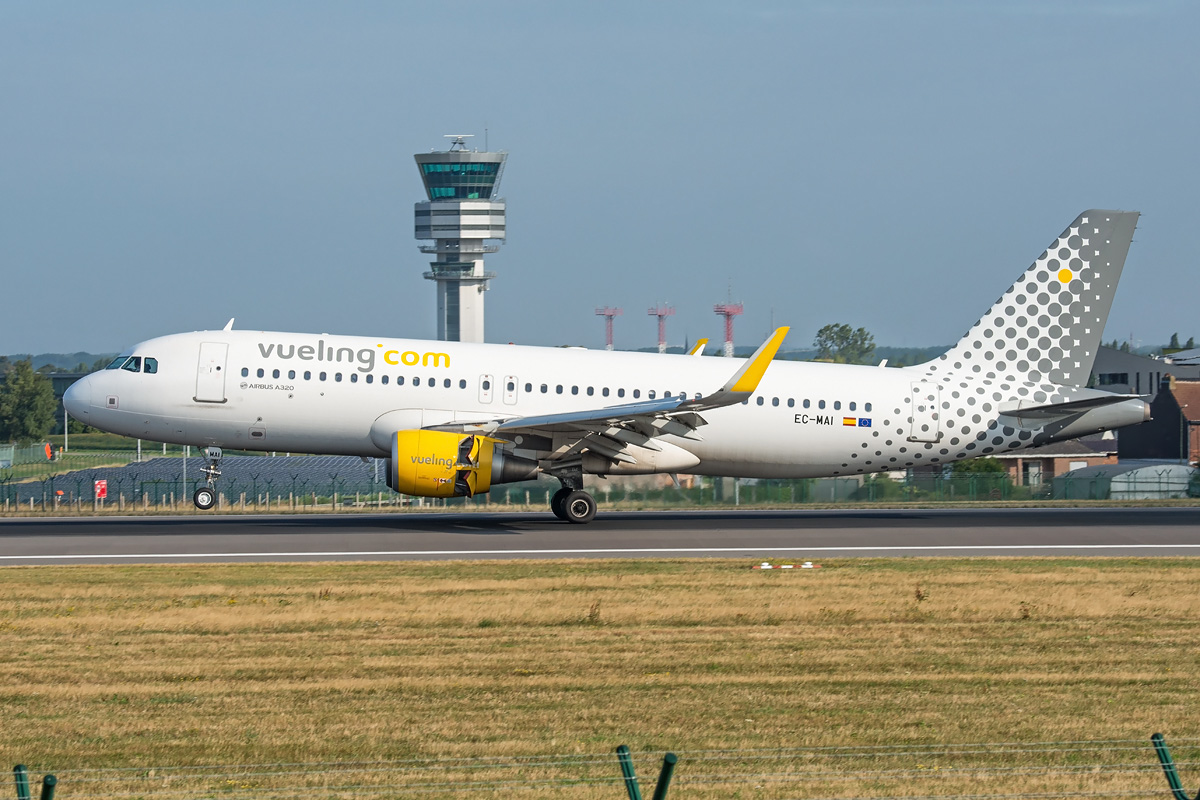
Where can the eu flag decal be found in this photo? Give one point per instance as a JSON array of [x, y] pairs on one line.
[[864, 422]]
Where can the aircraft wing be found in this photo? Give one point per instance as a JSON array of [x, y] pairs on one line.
[[609, 430]]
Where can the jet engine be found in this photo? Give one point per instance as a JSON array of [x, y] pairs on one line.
[[443, 464]]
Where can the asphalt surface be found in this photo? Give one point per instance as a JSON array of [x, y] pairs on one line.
[[783, 536]]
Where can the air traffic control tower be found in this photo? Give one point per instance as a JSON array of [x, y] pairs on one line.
[[463, 213]]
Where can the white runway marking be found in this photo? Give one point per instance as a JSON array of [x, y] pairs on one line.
[[605, 551]]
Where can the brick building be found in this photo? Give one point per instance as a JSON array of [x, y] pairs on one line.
[[1039, 465]]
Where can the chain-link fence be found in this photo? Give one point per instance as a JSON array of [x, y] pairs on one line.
[[265, 483]]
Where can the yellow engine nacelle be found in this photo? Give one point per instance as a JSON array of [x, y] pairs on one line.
[[442, 464]]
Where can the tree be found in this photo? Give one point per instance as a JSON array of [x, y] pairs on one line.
[[1174, 345], [27, 404], [1191, 343], [845, 345], [977, 466]]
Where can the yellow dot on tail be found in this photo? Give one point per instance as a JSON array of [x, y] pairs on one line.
[[1065, 275]]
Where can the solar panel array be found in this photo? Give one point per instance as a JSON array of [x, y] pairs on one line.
[[252, 475]]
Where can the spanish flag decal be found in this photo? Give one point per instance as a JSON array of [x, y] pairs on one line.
[[850, 422]]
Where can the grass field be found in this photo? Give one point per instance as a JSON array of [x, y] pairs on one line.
[[415, 664]]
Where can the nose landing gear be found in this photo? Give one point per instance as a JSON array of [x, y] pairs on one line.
[[205, 496]]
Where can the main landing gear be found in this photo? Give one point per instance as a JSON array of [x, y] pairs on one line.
[[571, 503], [206, 496]]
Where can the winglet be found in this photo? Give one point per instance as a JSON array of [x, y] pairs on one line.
[[746, 379], [698, 350], [228, 325]]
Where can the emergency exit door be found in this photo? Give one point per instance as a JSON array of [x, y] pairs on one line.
[[210, 373], [924, 401]]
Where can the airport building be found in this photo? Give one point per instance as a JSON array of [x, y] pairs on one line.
[[464, 218]]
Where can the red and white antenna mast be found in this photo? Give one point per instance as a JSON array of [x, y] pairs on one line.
[[662, 312], [608, 313], [728, 311]]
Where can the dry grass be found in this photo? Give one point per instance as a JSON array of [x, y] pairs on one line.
[[161, 666]]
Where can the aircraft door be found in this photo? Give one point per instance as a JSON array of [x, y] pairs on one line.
[[925, 402], [210, 373], [485, 388], [510, 390]]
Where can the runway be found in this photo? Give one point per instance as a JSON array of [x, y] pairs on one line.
[[784, 535]]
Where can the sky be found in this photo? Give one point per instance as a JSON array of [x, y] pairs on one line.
[[894, 165]]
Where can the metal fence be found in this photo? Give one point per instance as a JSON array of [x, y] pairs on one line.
[[311, 482]]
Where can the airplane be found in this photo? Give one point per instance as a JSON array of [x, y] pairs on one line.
[[453, 419]]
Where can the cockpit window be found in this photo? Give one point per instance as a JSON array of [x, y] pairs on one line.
[[117, 362], [150, 365], [133, 364]]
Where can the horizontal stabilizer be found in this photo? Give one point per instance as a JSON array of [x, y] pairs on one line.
[[1045, 411]]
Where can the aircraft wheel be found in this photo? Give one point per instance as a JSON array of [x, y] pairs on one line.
[[579, 507], [204, 498], [556, 503]]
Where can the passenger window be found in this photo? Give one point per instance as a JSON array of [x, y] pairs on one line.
[[245, 372], [291, 374], [791, 402], [383, 379], [620, 392], [399, 380], [260, 372], [528, 388], [774, 401], [307, 375], [637, 393], [337, 377], [274, 373], [837, 405], [370, 378], [432, 382], [807, 403], [462, 384], [354, 377], [666, 394], [760, 401], [512, 387], [558, 389], [649, 394], [853, 405], [446, 383], [487, 385], [590, 391], [867, 407], [604, 391], [322, 376], [574, 390], [820, 404], [150, 365], [545, 388]]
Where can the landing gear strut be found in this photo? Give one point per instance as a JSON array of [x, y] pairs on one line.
[[571, 503], [206, 496]]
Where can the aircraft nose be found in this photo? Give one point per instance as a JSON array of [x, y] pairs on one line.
[[78, 398]]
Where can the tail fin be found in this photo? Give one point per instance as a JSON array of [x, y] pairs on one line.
[[1047, 326]]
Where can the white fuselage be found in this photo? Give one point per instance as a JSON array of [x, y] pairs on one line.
[[316, 393], [806, 419]]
